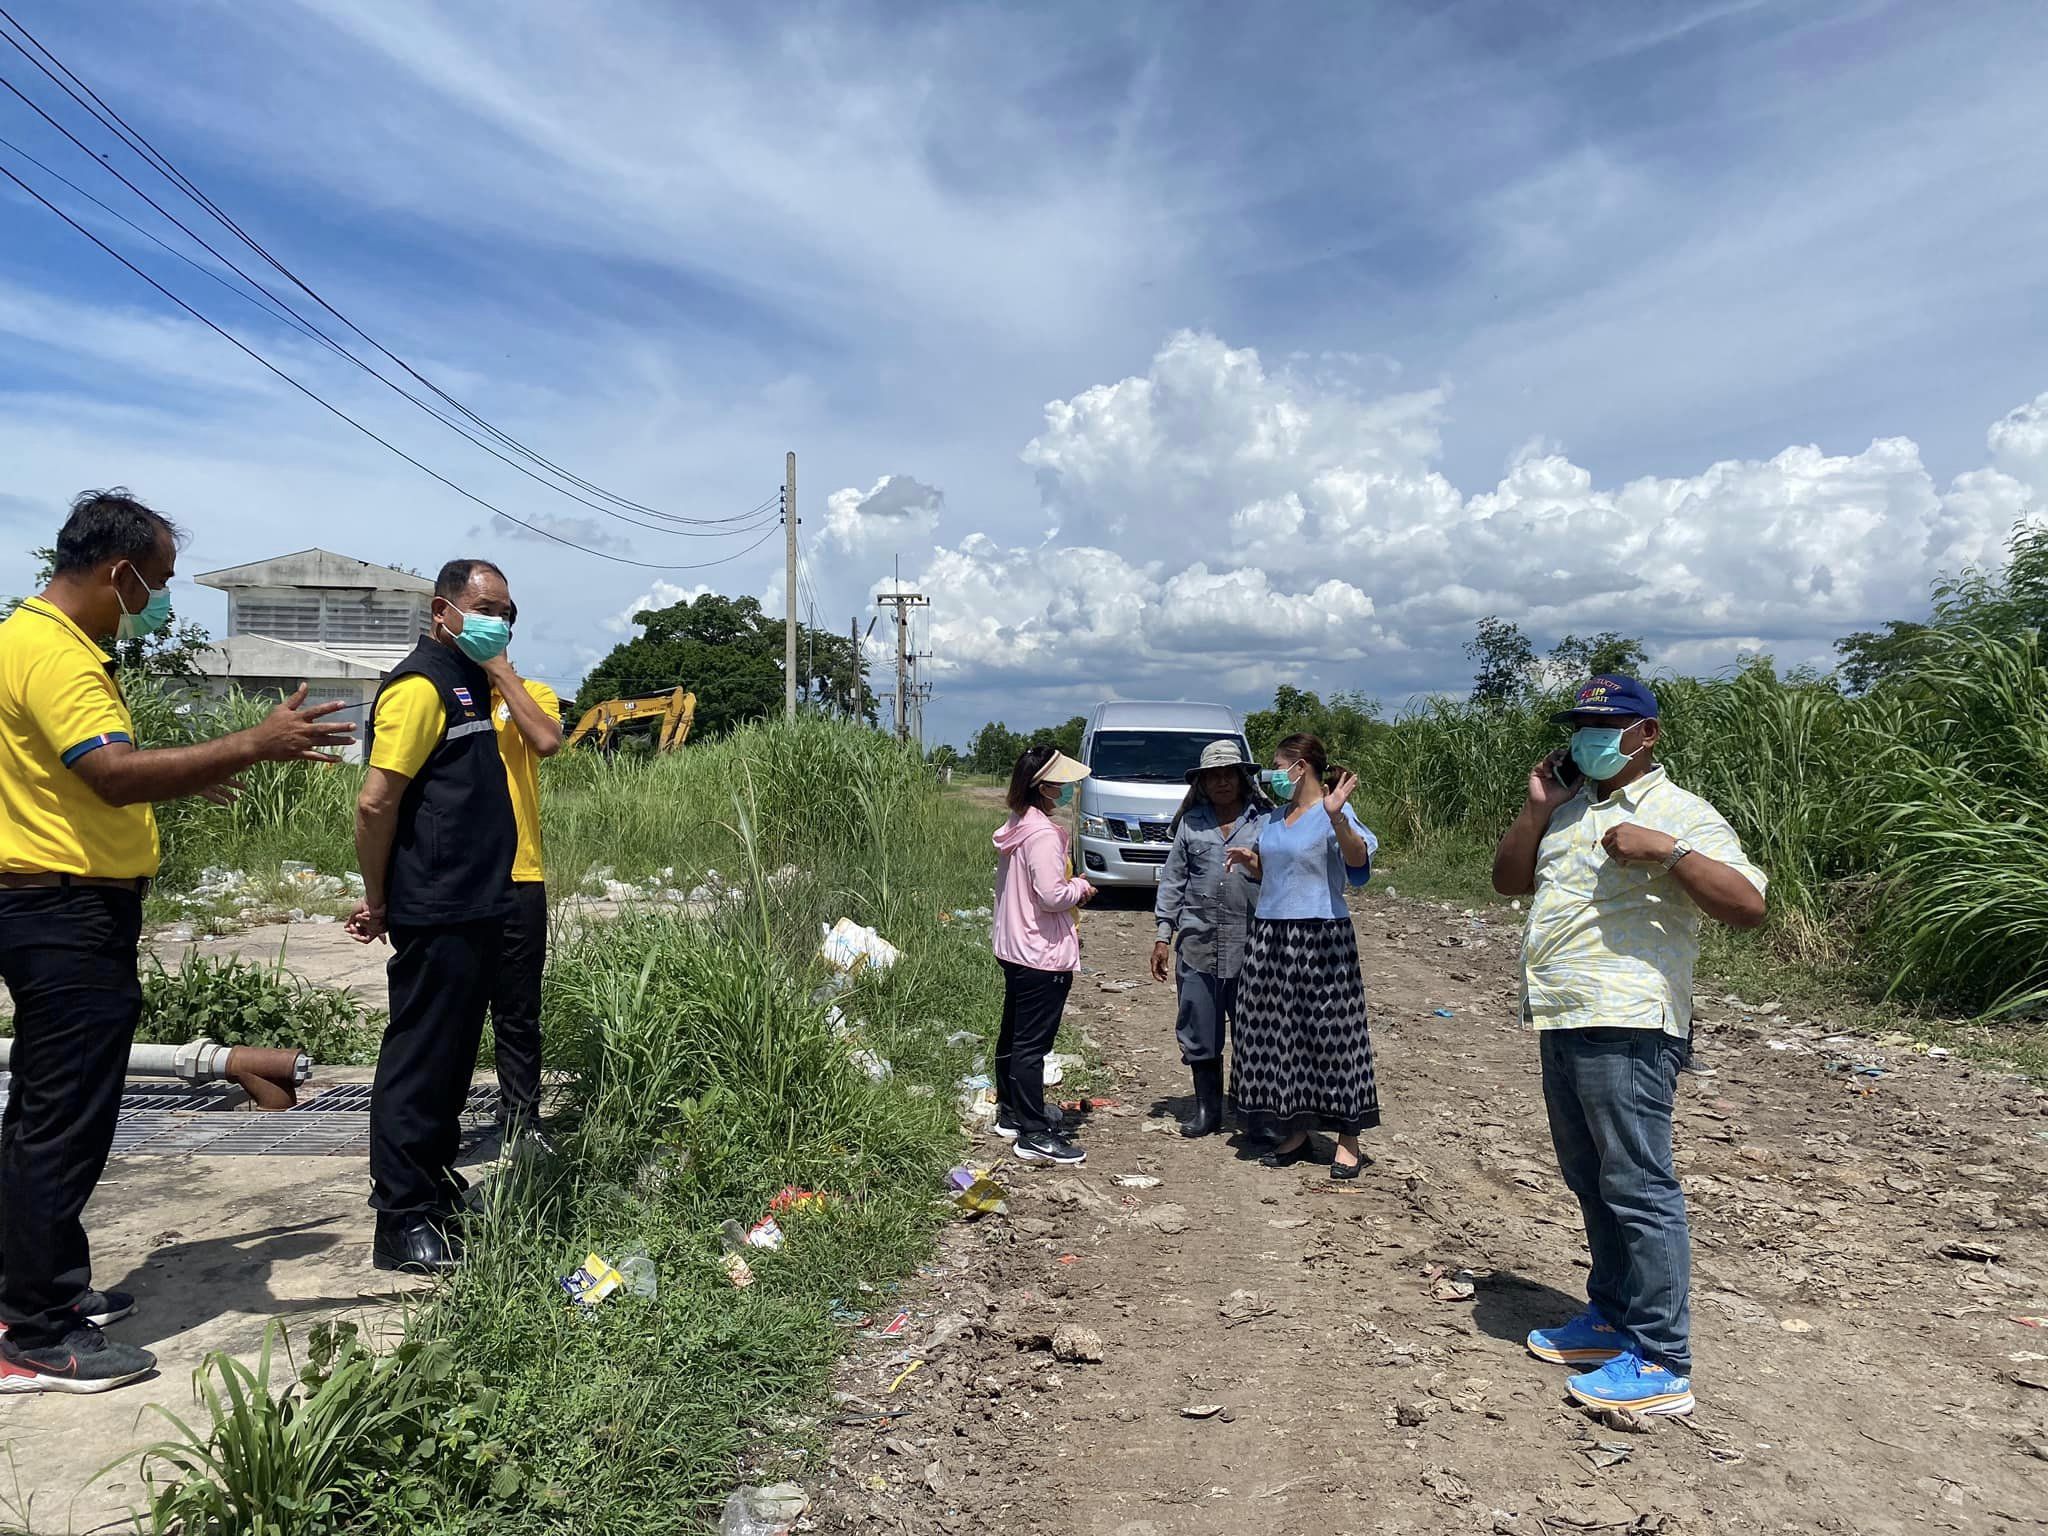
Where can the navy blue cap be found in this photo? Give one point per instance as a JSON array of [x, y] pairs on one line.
[[1611, 697]]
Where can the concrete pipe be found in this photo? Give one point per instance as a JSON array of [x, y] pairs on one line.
[[271, 1078]]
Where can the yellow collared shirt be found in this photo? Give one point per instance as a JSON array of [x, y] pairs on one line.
[[1611, 944], [59, 702], [522, 772]]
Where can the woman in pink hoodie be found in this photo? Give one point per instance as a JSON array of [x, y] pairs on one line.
[[1036, 941]]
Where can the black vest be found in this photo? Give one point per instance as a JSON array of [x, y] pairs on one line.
[[451, 859]]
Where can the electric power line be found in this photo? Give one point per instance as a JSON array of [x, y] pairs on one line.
[[239, 345], [744, 523], [112, 121]]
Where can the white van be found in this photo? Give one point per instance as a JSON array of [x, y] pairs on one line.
[[1138, 757]]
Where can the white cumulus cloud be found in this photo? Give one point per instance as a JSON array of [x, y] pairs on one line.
[[895, 509]]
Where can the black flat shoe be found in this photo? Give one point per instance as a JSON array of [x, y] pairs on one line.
[[1343, 1173], [1305, 1153]]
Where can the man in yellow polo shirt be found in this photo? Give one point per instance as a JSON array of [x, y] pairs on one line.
[[436, 838], [77, 850], [528, 717]]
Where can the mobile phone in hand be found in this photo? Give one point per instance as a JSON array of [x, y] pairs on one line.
[[1565, 769]]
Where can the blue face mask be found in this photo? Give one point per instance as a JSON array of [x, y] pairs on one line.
[[1597, 751], [155, 614], [1065, 796], [1280, 784], [482, 637]]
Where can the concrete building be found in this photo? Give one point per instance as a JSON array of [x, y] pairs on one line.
[[332, 622]]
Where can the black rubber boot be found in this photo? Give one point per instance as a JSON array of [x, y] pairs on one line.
[[1208, 1117]]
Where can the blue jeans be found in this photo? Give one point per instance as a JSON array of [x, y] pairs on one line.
[[1610, 1094]]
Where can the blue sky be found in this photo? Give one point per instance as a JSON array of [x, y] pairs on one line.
[[1207, 350]]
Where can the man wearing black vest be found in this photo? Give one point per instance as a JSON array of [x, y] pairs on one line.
[[435, 837]]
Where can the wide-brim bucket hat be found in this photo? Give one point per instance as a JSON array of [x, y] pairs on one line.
[[1221, 754]]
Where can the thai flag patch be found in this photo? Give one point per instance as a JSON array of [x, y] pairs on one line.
[[462, 697]]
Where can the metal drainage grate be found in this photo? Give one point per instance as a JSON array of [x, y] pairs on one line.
[[335, 1123]]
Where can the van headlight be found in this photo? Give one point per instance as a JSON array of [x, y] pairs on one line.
[[1094, 826]]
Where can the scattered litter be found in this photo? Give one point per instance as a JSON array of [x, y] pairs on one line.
[[764, 1511], [982, 1196], [873, 1065], [1136, 1181], [1288, 1223], [1242, 1307], [962, 1037], [1939, 1053], [2026, 1357], [1118, 986], [840, 1315], [1625, 1420], [1445, 1013], [1201, 1410], [790, 1198], [1976, 1253], [765, 1233], [1077, 1345], [909, 1371], [850, 948], [1055, 1071], [978, 1097], [594, 1281], [1796, 1325], [2038, 1380], [736, 1270], [1607, 1453], [2032, 1322], [895, 1328], [1447, 1485], [1449, 1287], [1781, 1045]]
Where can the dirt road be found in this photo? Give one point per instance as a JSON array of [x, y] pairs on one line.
[[1851, 1377]]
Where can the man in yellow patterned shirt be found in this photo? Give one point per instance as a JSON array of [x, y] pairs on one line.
[[1622, 864]]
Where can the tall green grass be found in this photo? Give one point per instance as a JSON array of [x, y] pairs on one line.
[[705, 1076], [1900, 829]]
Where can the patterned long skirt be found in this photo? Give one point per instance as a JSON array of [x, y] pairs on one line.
[[1302, 1050]]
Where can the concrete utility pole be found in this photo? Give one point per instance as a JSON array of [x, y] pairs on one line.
[[789, 587], [903, 602]]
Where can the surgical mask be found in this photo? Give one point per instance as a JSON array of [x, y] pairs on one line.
[[155, 614], [1280, 783], [1065, 796], [1597, 751], [483, 637]]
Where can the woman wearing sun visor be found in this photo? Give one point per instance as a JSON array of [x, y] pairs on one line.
[[1039, 946]]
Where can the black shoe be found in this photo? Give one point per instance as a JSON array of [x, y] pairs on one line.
[[1343, 1173], [418, 1245], [1007, 1128], [103, 1307], [86, 1361], [1044, 1147], [1304, 1153], [1207, 1119]]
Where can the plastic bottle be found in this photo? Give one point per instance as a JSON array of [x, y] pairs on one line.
[[640, 1275]]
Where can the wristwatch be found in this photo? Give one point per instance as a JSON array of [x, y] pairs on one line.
[[1679, 850]]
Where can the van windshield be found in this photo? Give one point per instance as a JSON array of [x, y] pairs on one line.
[[1149, 757]]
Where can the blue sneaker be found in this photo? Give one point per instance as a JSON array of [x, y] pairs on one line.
[[1587, 1339], [1629, 1381]]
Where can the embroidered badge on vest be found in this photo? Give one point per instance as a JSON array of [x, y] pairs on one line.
[[462, 697]]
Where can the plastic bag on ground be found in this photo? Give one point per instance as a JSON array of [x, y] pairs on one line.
[[847, 946], [763, 1511]]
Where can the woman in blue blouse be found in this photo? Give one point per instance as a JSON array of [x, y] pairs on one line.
[[1302, 1051]]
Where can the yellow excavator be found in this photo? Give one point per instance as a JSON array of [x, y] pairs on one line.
[[669, 713]]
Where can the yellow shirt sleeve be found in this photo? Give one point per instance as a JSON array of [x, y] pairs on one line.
[[409, 722], [76, 705], [546, 697]]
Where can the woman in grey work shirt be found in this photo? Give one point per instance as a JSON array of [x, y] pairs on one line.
[[1207, 907]]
